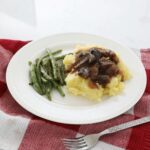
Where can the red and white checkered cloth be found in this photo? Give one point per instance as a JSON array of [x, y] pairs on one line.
[[21, 130]]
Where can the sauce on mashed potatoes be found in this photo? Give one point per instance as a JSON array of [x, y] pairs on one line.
[[94, 72]]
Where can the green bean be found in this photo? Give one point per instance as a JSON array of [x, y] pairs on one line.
[[48, 77], [63, 73], [60, 72], [56, 85], [60, 57], [53, 53], [48, 67], [38, 61], [62, 67], [59, 89], [45, 58], [34, 80], [45, 75], [38, 74], [56, 52], [44, 80], [48, 94], [53, 63], [45, 61], [59, 75], [48, 90]]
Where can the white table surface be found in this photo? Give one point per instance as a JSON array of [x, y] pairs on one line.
[[126, 21]]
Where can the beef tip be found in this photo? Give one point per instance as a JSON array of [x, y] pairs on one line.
[[81, 62], [112, 70], [96, 64], [105, 63], [94, 71], [80, 56], [84, 72], [113, 57], [103, 79], [104, 54], [95, 52], [111, 53]]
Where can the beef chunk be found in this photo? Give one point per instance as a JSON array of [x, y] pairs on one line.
[[112, 70], [113, 57], [94, 71], [84, 72], [81, 62], [97, 64], [103, 79]]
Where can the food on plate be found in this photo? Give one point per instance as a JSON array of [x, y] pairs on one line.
[[47, 73], [90, 71], [93, 72]]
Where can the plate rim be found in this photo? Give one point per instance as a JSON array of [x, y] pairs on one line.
[[30, 109]]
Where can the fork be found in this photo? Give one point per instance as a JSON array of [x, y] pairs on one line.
[[88, 141]]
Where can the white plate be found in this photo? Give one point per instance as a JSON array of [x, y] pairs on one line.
[[73, 109]]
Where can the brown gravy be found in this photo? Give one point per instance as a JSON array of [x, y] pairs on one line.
[[97, 64]]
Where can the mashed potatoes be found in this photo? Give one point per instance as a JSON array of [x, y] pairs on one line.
[[80, 86]]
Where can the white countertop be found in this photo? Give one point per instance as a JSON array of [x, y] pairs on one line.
[[125, 21]]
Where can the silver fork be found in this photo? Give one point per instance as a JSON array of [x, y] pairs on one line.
[[88, 141]]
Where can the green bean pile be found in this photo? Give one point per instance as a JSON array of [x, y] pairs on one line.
[[48, 73]]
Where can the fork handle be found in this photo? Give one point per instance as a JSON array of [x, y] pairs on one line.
[[127, 125]]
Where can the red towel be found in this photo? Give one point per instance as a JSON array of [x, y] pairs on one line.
[[29, 132]]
